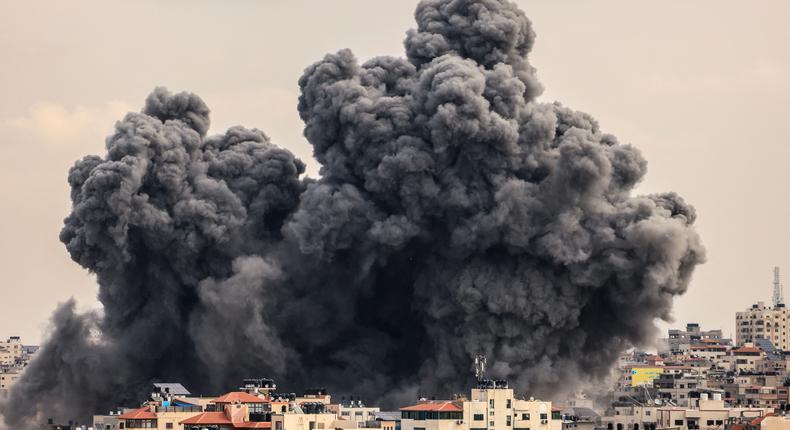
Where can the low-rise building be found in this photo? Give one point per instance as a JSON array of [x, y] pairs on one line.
[[707, 414]]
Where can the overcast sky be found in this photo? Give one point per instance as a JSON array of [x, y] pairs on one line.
[[701, 87]]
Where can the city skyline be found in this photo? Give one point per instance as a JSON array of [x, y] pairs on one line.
[[376, 196], [671, 113]]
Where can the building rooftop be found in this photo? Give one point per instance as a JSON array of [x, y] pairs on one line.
[[173, 388], [207, 418], [239, 397], [434, 406], [139, 414], [746, 350]]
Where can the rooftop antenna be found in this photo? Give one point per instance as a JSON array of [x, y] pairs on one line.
[[778, 296], [480, 366]]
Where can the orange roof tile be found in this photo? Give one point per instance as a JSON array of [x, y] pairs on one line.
[[434, 406], [207, 418], [139, 414], [239, 397], [747, 349], [757, 421]]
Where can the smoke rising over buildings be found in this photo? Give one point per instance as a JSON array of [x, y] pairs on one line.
[[454, 215]]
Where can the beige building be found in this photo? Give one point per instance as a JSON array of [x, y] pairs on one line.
[[763, 322], [356, 412], [491, 406], [295, 421], [773, 422], [11, 350], [709, 414]]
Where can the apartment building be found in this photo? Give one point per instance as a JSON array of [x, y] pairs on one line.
[[11, 350], [763, 322], [490, 406], [356, 411], [630, 417], [680, 341], [708, 414]]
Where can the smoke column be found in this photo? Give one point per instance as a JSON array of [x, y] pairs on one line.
[[454, 215]]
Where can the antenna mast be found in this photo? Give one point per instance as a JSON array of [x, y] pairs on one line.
[[778, 296]]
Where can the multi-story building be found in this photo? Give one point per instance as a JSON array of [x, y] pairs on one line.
[[11, 350], [679, 341], [13, 358], [746, 357], [111, 421], [491, 406], [357, 412], [763, 322], [706, 414], [630, 416]]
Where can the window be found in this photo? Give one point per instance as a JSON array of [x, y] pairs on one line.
[[344, 413], [491, 423], [479, 417], [525, 416], [710, 422], [169, 425], [120, 426], [678, 422], [647, 413], [719, 422], [544, 416], [491, 403], [508, 404], [491, 414], [508, 421]]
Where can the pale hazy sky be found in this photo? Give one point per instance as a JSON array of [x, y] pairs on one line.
[[702, 87]]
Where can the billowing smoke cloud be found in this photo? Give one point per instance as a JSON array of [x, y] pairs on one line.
[[454, 215]]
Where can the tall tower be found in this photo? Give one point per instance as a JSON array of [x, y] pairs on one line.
[[778, 296]]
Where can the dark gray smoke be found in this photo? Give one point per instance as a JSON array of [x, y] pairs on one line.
[[454, 215]]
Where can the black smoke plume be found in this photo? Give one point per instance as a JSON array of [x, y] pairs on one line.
[[454, 215]]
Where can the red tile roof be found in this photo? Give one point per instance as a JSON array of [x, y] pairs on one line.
[[207, 418], [757, 421], [239, 397], [747, 349], [184, 402], [434, 406], [139, 414]]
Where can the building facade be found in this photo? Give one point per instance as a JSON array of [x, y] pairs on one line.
[[763, 322], [491, 406]]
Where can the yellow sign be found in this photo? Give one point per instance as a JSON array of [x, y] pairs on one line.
[[644, 375]]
